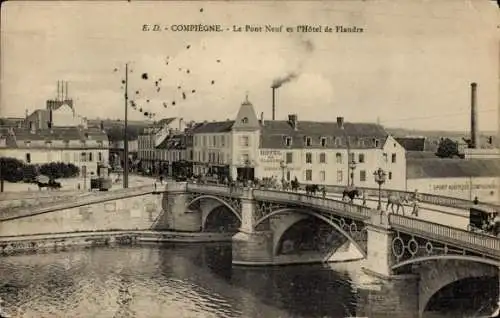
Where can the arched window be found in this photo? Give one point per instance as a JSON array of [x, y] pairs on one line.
[[244, 120]]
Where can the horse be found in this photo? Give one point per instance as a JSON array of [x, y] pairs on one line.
[[311, 189], [285, 185], [351, 194], [398, 201], [294, 184]]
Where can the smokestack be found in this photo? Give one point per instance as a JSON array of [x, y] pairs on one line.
[[262, 118], [474, 135], [66, 91], [58, 89], [274, 103]]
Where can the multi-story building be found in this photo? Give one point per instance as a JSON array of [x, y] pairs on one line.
[[153, 145], [313, 152], [82, 147]]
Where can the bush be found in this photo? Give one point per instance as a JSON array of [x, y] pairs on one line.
[[12, 169], [58, 170]]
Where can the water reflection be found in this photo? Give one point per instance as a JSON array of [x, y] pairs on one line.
[[187, 281]]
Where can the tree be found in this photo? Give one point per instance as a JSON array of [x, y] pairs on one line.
[[447, 148], [12, 169], [57, 170]]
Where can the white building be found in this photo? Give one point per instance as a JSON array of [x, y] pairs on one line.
[[313, 152], [81, 147], [458, 178]]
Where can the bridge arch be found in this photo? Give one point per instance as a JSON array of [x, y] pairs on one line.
[[314, 214], [438, 272], [207, 214]]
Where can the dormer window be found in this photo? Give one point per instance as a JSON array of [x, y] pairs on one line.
[[99, 144], [27, 143], [376, 142], [323, 141], [244, 120], [288, 141], [308, 141], [361, 142], [337, 141], [48, 143], [66, 143]]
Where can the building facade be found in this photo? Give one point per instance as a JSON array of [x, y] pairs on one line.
[[83, 148], [327, 153]]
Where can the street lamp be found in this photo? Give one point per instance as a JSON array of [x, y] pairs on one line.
[[352, 167], [283, 167], [380, 176]]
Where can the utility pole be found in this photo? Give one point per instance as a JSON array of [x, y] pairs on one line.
[[125, 133]]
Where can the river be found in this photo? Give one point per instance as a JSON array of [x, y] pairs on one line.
[[184, 281]]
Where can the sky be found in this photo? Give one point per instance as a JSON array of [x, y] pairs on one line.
[[411, 66]]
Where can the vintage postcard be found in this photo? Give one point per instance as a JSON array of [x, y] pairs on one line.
[[250, 159]]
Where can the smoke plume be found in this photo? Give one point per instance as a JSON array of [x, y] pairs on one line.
[[282, 80]]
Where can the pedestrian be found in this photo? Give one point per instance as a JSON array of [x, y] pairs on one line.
[[415, 207], [364, 198], [161, 180]]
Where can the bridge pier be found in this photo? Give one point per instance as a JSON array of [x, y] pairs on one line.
[[379, 259], [177, 217], [251, 247]]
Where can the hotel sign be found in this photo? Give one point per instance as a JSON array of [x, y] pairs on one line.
[[270, 156]]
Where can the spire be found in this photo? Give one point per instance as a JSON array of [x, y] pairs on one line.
[[246, 102]]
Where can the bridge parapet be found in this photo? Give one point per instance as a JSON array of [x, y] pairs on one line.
[[215, 190], [343, 208], [476, 242], [423, 197]]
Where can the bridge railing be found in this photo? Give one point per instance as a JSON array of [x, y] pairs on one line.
[[362, 212], [478, 241], [423, 197], [214, 189]]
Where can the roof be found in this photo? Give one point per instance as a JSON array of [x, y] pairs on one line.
[[165, 121], [361, 135], [59, 133], [412, 143], [213, 127], [420, 155], [173, 142], [452, 168]]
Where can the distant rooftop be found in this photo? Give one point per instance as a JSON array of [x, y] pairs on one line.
[[452, 168]]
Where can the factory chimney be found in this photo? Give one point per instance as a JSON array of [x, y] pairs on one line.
[[262, 118], [274, 102], [474, 134]]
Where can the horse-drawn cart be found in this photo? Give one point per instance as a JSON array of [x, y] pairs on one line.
[[483, 219]]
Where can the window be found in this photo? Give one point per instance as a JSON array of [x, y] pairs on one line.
[[99, 156], [308, 157], [352, 157], [83, 157], [309, 174], [288, 141], [99, 144], [323, 141], [288, 175], [362, 175], [308, 141], [361, 158], [390, 175], [245, 141], [245, 159], [28, 158], [393, 158], [27, 143], [90, 157], [385, 156], [244, 120], [338, 157], [204, 143], [322, 157], [66, 143], [337, 141], [376, 142], [222, 141], [214, 141], [340, 176], [361, 142], [322, 176], [48, 144], [289, 157]]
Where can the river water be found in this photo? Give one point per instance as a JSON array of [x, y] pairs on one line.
[[183, 281]]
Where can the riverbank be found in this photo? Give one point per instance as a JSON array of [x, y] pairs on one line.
[[60, 241]]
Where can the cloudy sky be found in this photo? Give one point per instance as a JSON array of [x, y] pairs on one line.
[[411, 67]]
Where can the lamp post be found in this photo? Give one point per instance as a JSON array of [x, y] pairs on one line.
[[352, 167], [283, 167], [125, 133], [380, 176]]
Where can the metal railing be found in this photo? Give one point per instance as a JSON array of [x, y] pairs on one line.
[[341, 207], [213, 189], [477, 241], [423, 197]]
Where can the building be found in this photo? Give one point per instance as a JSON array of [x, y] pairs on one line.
[[312, 152], [150, 155], [458, 178], [83, 148]]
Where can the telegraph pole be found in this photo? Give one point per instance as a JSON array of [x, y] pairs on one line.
[[125, 133]]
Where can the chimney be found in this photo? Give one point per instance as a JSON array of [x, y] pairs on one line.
[[274, 103], [292, 119], [340, 122], [102, 125], [32, 127], [262, 118], [474, 135]]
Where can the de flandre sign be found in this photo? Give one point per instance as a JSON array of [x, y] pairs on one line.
[[269, 156]]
